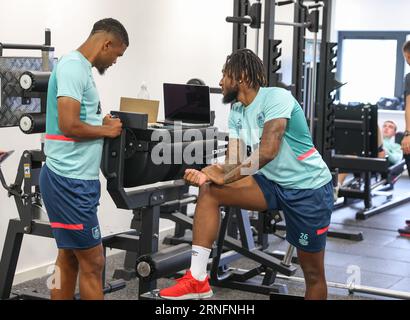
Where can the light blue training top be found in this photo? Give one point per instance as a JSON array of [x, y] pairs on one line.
[[72, 77], [298, 165]]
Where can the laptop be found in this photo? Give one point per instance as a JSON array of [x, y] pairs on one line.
[[187, 105], [149, 107]]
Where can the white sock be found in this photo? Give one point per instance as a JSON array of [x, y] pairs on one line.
[[199, 261]]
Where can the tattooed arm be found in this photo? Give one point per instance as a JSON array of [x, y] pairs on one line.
[[235, 151], [271, 140]]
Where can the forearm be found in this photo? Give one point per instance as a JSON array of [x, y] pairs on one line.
[[407, 112], [395, 154], [257, 160], [227, 167], [235, 169], [80, 130]]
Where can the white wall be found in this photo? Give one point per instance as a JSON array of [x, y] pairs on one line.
[[170, 41], [373, 15]]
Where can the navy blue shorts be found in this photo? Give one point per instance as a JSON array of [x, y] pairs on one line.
[[307, 212], [71, 206]]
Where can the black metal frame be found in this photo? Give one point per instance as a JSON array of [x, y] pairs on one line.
[[271, 50], [298, 58], [240, 9], [28, 204], [46, 47], [251, 281], [326, 85], [366, 165]]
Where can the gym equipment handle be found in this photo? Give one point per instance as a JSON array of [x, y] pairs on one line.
[[26, 47], [30, 123], [245, 20], [284, 3]]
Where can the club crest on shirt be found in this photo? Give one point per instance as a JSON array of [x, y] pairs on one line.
[[260, 118]]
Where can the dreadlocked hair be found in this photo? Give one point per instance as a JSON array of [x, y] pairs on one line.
[[244, 62]]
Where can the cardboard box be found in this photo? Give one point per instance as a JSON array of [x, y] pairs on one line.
[[149, 107]]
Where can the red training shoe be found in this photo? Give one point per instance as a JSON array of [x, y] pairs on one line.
[[187, 287], [405, 232]]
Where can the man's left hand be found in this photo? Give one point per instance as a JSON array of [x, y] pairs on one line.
[[405, 145], [195, 177]]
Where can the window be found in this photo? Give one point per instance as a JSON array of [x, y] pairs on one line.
[[372, 66]]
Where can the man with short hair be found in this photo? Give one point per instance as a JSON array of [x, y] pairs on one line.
[[392, 149], [69, 180], [281, 169], [389, 129]]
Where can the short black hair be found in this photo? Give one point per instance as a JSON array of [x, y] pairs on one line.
[[245, 62], [112, 26], [406, 46]]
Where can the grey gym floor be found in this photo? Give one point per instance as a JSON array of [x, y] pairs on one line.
[[383, 257]]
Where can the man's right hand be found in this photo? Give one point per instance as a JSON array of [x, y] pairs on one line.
[[195, 177], [113, 126], [405, 144]]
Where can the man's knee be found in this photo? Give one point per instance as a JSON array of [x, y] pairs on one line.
[[207, 191], [92, 263], [313, 275], [67, 258]]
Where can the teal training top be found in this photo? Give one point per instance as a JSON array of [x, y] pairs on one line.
[[298, 165], [393, 150], [72, 77]]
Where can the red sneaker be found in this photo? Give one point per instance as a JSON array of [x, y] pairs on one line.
[[187, 287], [405, 232]]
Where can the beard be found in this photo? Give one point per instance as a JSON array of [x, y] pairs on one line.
[[231, 95], [101, 70]]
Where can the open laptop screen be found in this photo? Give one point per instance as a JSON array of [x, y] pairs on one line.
[[186, 103]]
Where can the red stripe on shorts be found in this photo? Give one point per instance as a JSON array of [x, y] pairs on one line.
[[322, 231], [57, 225]]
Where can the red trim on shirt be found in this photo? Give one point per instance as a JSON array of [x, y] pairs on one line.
[[58, 137], [307, 154]]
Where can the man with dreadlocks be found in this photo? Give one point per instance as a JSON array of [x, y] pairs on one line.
[[280, 170]]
